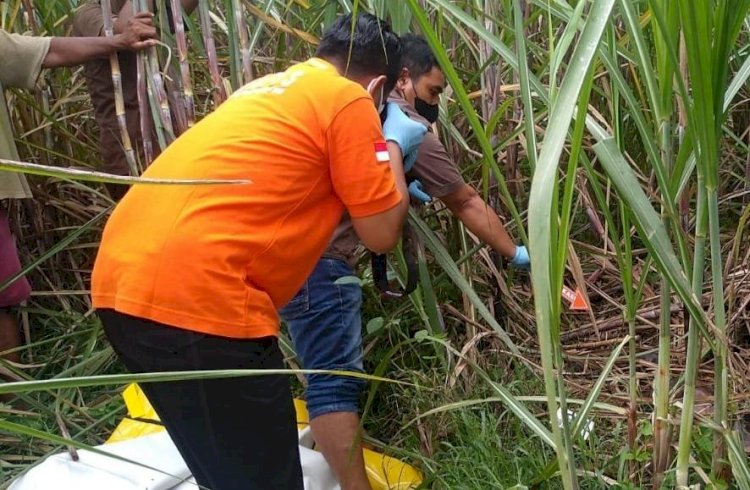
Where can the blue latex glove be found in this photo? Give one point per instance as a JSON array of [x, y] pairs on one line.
[[416, 189], [521, 259], [407, 134]]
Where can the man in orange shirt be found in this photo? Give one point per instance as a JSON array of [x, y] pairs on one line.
[[193, 280]]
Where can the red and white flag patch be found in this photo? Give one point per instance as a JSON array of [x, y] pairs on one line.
[[381, 152]]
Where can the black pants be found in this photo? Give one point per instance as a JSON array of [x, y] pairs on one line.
[[234, 433]]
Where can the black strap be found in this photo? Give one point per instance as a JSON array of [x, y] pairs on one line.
[[379, 262]]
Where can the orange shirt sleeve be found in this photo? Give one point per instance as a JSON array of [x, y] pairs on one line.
[[361, 176]]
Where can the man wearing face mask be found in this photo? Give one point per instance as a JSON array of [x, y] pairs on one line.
[[324, 319], [417, 93]]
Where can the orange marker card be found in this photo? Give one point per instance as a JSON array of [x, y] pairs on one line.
[[576, 299]]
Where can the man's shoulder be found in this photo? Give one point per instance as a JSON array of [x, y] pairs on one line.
[[328, 92], [331, 86], [315, 80]]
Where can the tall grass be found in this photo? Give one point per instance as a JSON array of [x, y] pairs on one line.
[[615, 132]]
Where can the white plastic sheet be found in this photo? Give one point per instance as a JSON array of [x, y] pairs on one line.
[[157, 451]]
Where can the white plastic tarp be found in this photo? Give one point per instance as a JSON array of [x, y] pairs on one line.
[[153, 463]]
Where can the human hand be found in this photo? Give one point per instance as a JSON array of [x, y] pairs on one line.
[[416, 191], [521, 259], [138, 32], [407, 134]]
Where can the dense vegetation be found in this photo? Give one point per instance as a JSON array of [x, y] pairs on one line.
[[612, 134]]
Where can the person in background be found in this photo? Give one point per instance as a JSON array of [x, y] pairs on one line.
[[23, 58], [88, 21], [324, 318], [202, 292]]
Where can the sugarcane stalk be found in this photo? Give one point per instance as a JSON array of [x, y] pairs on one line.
[[241, 29], [159, 89], [143, 107], [28, 5], [469, 309], [158, 95], [171, 72], [152, 97], [663, 100], [114, 64], [182, 54], [721, 381], [693, 335], [711, 144], [693, 343], [661, 389], [219, 91], [662, 429], [630, 313], [235, 70]]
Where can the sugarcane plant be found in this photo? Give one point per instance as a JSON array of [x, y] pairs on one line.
[[710, 30], [219, 89], [182, 53], [114, 63]]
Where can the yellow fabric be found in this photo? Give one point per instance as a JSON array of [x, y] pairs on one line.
[[138, 408], [387, 473], [303, 417]]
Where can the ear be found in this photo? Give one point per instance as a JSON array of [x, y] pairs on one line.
[[403, 79], [375, 85]]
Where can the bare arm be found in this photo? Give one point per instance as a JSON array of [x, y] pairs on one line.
[[381, 232], [468, 206], [69, 51]]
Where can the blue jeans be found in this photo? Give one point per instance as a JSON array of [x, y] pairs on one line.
[[324, 322]]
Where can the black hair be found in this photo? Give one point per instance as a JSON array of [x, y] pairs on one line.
[[365, 46], [417, 56]]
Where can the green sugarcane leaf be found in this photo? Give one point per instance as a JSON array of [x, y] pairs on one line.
[[543, 219], [523, 76], [121, 379], [92, 176]]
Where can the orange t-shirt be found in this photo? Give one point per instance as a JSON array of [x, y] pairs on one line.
[[221, 259]]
